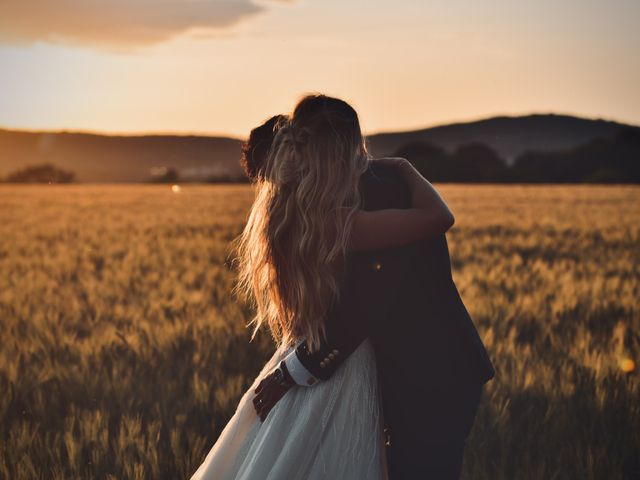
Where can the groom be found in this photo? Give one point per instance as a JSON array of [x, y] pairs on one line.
[[431, 362]]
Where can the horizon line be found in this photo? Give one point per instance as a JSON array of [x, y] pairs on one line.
[[196, 133]]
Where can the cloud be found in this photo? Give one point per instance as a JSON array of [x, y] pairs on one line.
[[116, 23]]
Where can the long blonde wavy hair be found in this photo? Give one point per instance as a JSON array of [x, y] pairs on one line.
[[292, 251]]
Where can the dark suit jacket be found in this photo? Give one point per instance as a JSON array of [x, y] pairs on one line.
[[428, 352]]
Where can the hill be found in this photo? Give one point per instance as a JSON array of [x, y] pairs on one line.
[[507, 136], [134, 158], [105, 158]]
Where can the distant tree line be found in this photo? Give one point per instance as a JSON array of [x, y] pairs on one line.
[[172, 175], [602, 160], [41, 173], [615, 160], [164, 175]]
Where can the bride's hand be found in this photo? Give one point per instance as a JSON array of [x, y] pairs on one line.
[[268, 393]]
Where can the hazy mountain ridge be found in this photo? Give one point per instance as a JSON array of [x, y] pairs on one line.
[[106, 158], [507, 136], [118, 158]]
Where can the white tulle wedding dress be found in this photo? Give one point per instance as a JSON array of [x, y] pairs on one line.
[[332, 430]]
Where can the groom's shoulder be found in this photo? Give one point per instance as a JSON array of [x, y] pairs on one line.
[[381, 173], [383, 187]]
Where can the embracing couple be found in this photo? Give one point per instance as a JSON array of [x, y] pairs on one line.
[[379, 368]]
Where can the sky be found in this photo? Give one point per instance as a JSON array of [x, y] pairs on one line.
[[224, 66]]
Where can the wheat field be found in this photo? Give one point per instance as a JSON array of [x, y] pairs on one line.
[[123, 353]]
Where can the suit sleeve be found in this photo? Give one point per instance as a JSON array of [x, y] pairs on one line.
[[371, 283]]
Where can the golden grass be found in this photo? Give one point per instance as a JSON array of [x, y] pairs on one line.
[[123, 355]]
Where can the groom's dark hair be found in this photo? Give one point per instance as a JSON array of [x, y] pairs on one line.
[[256, 148]]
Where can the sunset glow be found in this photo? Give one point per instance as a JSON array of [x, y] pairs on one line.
[[223, 67]]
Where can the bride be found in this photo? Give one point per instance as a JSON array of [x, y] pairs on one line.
[[306, 219]]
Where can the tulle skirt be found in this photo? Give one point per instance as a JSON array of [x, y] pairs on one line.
[[332, 430]]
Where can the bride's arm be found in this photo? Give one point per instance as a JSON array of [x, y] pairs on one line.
[[428, 215]]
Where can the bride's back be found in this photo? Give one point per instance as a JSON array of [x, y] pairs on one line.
[[292, 251]]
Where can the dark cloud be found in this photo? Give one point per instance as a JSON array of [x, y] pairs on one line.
[[119, 23]]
